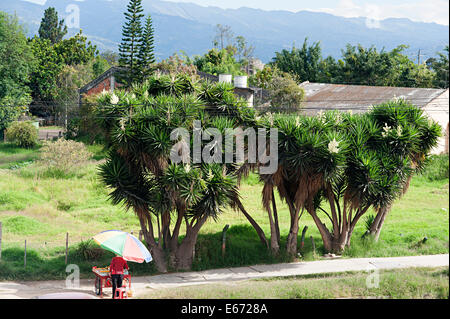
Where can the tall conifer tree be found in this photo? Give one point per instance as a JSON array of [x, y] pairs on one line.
[[131, 43], [146, 55], [51, 28]]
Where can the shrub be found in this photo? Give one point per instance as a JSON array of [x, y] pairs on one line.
[[437, 168], [82, 125], [285, 94], [64, 155], [24, 134], [88, 250]]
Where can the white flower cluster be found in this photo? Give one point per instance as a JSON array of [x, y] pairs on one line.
[[270, 117], [122, 124], [386, 130], [321, 116], [333, 146], [210, 175], [114, 99], [399, 130]]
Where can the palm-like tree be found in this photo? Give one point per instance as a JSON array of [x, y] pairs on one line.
[[167, 197], [412, 145], [352, 162]]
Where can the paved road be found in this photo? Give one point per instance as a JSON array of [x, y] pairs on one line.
[[49, 134], [142, 284]]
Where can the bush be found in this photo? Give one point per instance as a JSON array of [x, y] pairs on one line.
[[437, 168], [24, 134], [285, 94], [88, 250], [64, 155]]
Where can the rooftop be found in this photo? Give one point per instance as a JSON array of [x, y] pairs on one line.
[[323, 96]]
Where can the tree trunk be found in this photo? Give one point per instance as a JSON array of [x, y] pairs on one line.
[[327, 238], [274, 245], [259, 231], [338, 244], [184, 255], [375, 228], [275, 216], [165, 225], [158, 254], [159, 258], [291, 245]]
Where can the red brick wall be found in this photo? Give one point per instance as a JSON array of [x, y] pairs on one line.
[[104, 85]]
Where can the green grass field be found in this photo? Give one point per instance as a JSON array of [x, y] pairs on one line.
[[393, 284], [40, 206]]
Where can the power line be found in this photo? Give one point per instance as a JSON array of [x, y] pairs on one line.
[[53, 103]]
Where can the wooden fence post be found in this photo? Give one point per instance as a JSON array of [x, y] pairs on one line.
[[303, 238], [25, 256], [67, 245], [313, 246]]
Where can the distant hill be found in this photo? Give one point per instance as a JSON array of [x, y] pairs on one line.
[[190, 27]]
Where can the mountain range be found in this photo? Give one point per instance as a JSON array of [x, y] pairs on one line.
[[191, 28]]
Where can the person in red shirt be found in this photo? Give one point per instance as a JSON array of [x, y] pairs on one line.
[[118, 264]]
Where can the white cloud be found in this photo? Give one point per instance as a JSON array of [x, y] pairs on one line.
[[421, 10], [41, 2]]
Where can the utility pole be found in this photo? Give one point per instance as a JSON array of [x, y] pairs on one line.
[[418, 57]]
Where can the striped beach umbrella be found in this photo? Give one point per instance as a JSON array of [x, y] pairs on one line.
[[123, 244]]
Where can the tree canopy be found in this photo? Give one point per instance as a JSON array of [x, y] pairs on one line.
[[17, 64], [362, 66], [139, 125], [51, 27]]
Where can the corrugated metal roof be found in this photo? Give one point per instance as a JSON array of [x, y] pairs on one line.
[[358, 98]]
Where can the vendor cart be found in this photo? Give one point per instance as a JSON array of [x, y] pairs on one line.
[[103, 279]]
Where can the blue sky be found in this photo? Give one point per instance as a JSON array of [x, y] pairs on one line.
[[417, 10]]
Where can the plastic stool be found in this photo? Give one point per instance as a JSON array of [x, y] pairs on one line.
[[121, 293]]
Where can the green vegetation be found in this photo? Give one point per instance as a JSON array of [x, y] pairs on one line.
[[23, 134], [78, 204], [16, 65], [420, 283], [363, 66], [51, 28], [218, 62], [334, 167], [136, 54], [437, 168], [141, 171], [11, 155]]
